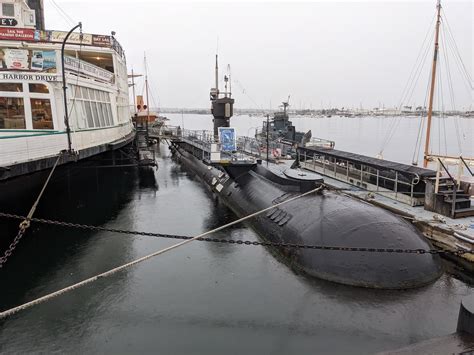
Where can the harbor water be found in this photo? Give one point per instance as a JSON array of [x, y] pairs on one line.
[[202, 298]]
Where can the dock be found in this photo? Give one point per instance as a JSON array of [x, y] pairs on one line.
[[402, 189]]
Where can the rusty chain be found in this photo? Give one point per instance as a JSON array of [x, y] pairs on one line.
[[457, 252]]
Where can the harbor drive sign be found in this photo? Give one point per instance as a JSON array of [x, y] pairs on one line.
[[30, 77]]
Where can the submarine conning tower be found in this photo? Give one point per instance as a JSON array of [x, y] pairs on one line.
[[222, 107]]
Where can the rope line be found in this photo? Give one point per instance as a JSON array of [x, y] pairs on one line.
[[110, 272]]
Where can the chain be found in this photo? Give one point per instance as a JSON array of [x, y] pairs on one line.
[[21, 231], [25, 224], [457, 252]]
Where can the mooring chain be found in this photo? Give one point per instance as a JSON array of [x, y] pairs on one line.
[[457, 252], [25, 224], [21, 231]]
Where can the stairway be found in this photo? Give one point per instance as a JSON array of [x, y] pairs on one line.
[[462, 202]]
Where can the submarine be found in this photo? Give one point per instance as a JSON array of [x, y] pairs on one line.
[[327, 217]]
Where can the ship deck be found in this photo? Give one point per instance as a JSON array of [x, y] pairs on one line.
[[444, 232]]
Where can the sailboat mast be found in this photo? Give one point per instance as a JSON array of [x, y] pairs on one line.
[[432, 88]]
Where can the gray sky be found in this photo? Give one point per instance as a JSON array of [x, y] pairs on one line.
[[321, 53]]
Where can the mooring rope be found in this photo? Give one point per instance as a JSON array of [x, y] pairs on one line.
[[57, 293]]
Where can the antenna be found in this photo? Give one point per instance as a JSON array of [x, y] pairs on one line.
[[217, 75], [230, 81]]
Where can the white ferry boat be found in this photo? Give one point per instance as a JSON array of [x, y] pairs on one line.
[[32, 109]]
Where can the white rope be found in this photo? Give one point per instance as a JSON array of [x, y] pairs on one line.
[[49, 296]]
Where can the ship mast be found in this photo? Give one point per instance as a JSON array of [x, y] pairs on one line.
[[432, 88], [217, 77], [147, 98]]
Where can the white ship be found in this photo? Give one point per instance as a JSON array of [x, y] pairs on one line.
[[32, 106]]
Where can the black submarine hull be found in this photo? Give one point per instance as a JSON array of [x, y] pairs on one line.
[[329, 218]]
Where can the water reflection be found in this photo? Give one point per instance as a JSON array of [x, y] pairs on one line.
[[241, 297], [80, 193]]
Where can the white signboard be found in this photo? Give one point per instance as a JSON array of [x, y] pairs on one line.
[[29, 77], [75, 64], [16, 58], [74, 37]]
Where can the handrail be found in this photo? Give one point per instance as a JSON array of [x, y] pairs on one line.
[[455, 187], [467, 166]]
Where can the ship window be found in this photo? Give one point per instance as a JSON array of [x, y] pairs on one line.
[[109, 113], [101, 116], [8, 10], [95, 114], [85, 93], [39, 88], [12, 113], [105, 114], [41, 114], [90, 121], [16, 87], [76, 92]]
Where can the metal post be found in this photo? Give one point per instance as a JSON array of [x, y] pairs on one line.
[[460, 171], [347, 170], [438, 173], [268, 147], [335, 167], [66, 114], [396, 184], [378, 174]]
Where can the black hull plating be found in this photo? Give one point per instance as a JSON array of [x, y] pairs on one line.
[[331, 219]]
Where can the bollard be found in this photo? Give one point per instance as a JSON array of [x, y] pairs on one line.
[[466, 316]]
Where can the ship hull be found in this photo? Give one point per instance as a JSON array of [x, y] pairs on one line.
[[329, 219]]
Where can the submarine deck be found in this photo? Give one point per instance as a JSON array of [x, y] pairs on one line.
[[443, 231]]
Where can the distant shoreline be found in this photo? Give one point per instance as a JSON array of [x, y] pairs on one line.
[[324, 113]]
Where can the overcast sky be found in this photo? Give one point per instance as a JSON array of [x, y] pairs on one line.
[[323, 54]]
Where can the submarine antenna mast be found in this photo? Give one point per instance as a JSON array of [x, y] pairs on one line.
[[217, 77], [230, 80], [433, 80]]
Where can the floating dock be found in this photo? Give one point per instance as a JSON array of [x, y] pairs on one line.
[[403, 189]]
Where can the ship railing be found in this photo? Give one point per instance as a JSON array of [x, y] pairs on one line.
[[313, 142], [391, 184], [200, 139], [164, 131], [258, 148]]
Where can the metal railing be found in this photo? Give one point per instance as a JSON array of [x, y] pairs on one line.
[[385, 182], [466, 165], [455, 188]]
